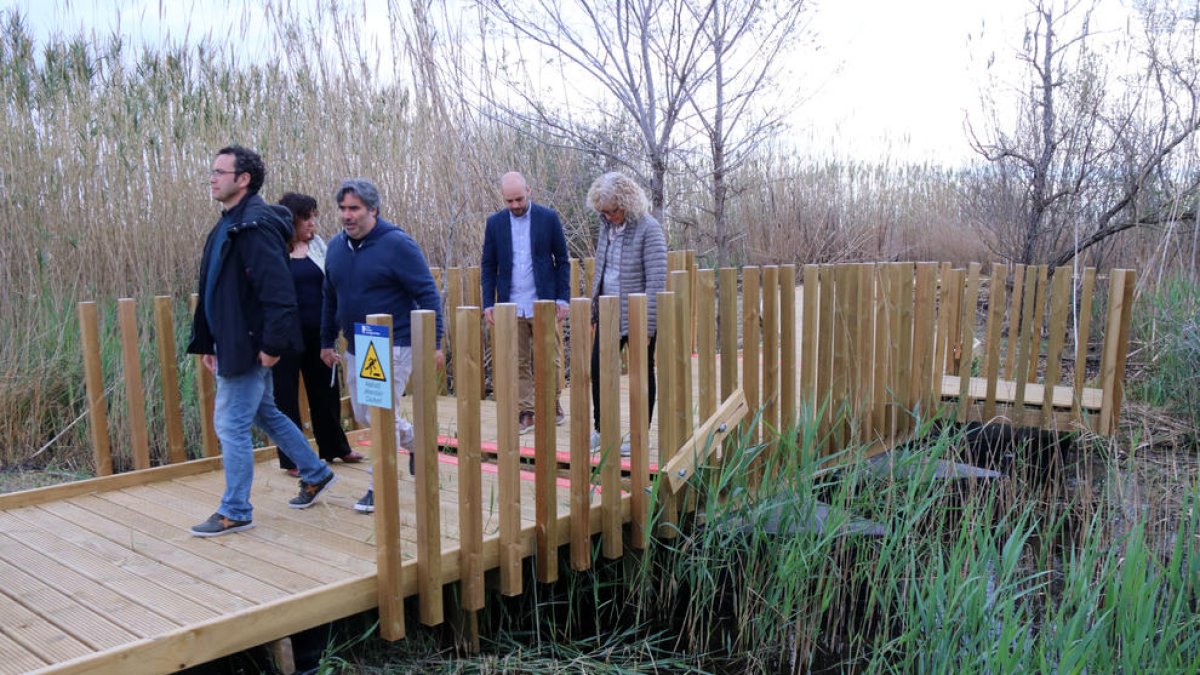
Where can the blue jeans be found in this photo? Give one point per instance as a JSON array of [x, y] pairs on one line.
[[242, 400]]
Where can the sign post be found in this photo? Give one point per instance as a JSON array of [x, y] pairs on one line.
[[373, 352]]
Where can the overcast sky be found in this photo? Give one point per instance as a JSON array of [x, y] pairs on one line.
[[890, 78]]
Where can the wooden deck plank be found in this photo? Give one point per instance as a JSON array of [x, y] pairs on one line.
[[285, 559], [335, 518], [179, 550], [36, 635], [15, 658], [303, 528], [1006, 392], [75, 619], [112, 566], [139, 620], [137, 553]]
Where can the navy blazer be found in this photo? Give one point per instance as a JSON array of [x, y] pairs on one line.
[[551, 266]]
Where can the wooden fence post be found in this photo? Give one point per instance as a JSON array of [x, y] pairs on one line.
[[165, 328], [206, 388], [504, 386], [1014, 319], [387, 509], [967, 340], [1082, 337], [824, 403], [424, 388], [706, 343], [1059, 295], [1116, 349], [728, 331], [1039, 315], [610, 424], [922, 393], [545, 377], [770, 356], [89, 328], [581, 432], [1024, 345], [810, 320], [668, 438], [134, 393], [787, 342], [470, 489], [995, 316], [639, 421], [751, 349]]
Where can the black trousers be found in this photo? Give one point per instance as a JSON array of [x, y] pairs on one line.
[[324, 402], [596, 376]]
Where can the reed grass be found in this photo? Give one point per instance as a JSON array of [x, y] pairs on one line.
[[1046, 570], [106, 148], [1169, 326]]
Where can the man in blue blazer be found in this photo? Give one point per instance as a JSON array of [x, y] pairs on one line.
[[524, 260]]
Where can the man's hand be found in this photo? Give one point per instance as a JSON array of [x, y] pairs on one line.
[[210, 362], [267, 360], [561, 311], [488, 317], [439, 359], [330, 356]]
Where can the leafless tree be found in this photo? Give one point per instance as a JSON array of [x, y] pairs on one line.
[[739, 102], [1100, 144], [635, 54]]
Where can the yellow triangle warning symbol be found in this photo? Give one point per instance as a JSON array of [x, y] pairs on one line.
[[371, 368]]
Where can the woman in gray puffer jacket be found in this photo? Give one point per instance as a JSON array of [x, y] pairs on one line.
[[631, 257]]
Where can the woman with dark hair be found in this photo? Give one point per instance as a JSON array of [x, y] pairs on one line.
[[307, 264]]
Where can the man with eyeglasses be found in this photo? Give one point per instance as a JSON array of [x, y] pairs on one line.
[[524, 260], [245, 319]]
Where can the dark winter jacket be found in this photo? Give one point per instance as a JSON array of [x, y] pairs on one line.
[[253, 303], [385, 274]]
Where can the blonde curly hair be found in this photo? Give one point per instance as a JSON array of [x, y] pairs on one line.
[[615, 190]]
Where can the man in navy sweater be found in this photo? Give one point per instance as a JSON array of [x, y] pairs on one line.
[[374, 267], [524, 259]]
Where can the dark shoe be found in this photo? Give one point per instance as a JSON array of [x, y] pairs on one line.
[[310, 491], [525, 422], [352, 457], [367, 503], [217, 525], [293, 472], [559, 417]]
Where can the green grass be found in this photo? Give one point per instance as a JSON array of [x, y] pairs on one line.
[[1169, 325], [1019, 575]]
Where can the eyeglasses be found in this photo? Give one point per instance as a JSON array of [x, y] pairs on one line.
[[608, 213], [216, 173]]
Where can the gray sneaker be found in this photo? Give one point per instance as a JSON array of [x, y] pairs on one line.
[[217, 525], [367, 503], [309, 492]]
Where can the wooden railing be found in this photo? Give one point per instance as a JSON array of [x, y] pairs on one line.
[[882, 347]]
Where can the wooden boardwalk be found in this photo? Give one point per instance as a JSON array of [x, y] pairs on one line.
[[103, 575]]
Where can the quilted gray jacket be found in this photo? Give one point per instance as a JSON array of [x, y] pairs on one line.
[[643, 267]]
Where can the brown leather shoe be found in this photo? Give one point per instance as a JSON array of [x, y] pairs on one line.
[[352, 457]]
